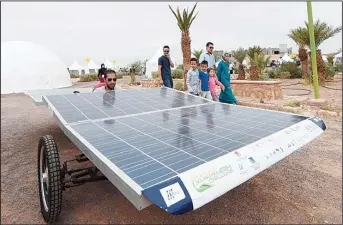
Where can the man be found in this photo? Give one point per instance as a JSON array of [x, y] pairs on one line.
[[208, 56], [110, 77], [164, 71]]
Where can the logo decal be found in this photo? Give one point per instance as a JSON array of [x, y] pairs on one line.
[[208, 179]]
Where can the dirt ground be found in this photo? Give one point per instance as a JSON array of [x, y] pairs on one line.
[[305, 187]]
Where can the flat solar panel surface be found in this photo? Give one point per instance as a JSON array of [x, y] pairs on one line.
[[153, 147], [98, 105]]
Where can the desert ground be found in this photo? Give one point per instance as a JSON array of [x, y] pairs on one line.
[[305, 187]]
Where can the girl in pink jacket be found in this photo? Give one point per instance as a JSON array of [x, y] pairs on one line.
[[212, 82]]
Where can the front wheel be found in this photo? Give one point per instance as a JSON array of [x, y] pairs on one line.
[[49, 178]]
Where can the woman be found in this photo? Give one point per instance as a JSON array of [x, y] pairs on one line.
[[226, 95], [101, 73]]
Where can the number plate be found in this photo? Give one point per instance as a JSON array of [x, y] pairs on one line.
[[172, 194]]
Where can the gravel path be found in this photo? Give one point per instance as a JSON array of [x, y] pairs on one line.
[[303, 188]]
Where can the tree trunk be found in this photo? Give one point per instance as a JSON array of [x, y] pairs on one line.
[[320, 67], [304, 69], [253, 72], [241, 72], [304, 62], [186, 53]]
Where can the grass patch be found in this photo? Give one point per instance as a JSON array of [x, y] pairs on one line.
[[88, 78], [179, 86], [294, 104]]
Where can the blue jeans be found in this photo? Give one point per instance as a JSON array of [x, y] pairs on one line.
[[168, 82]]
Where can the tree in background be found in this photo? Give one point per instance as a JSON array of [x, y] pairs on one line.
[[297, 35], [331, 59], [240, 55], [184, 22], [322, 32], [253, 53], [197, 54]]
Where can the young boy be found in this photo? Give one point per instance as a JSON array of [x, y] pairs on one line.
[[193, 78], [203, 77]]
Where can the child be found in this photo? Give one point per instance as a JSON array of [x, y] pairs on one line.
[[212, 82], [193, 78], [203, 77]]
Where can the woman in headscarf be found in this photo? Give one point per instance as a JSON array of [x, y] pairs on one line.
[[101, 73], [223, 75]]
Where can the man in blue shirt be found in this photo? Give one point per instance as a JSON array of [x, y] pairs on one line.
[[208, 56], [203, 77], [164, 71]]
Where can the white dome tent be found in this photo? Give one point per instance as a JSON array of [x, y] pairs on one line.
[[109, 64], [76, 69], [93, 67], [27, 66], [286, 58], [152, 63]]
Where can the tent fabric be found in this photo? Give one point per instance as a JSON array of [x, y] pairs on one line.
[[152, 63], [92, 67], [286, 58], [28, 66], [76, 67], [109, 64]]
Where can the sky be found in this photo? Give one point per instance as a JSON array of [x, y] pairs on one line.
[[130, 31]]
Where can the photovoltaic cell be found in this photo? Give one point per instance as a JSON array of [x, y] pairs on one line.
[[153, 147], [97, 105]]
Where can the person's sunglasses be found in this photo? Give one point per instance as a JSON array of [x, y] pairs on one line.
[[211, 47], [166, 51], [110, 79]]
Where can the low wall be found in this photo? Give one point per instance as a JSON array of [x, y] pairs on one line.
[[267, 90], [150, 83]]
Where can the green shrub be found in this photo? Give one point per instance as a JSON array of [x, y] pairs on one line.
[[298, 74], [329, 71], [74, 76], [154, 75], [294, 104], [179, 86], [88, 77], [285, 75], [338, 67], [289, 67], [264, 76], [274, 73], [177, 74]]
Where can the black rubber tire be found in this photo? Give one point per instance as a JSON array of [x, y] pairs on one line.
[[54, 189]]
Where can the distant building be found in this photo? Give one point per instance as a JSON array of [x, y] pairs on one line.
[[281, 50]]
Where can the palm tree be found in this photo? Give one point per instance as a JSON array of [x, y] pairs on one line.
[[184, 21], [331, 59], [297, 36], [322, 32], [197, 54], [253, 53], [217, 56], [240, 55]]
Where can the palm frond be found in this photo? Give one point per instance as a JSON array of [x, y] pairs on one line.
[[239, 55], [184, 19]]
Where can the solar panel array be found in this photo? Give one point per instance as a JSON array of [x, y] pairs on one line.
[[98, 105], [159, 140]]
